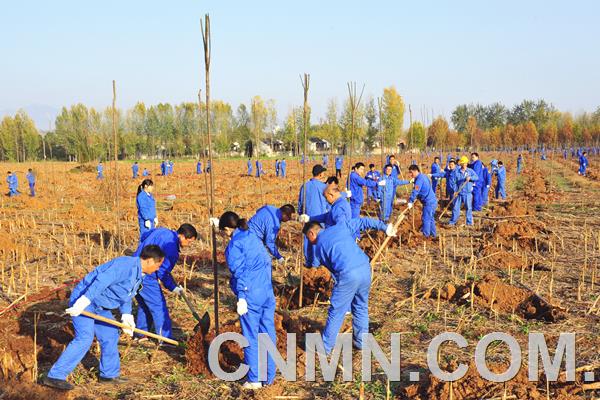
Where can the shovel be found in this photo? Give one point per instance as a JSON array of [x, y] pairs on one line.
[[124, 326], [204, 322]]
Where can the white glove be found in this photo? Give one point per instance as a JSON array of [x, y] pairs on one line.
[[348, 194], [409, 205], [178, 291], [381, 183], [390, 230], [281, 260], [304, 218], [242, 307], [127, 319], [214, 222], [148, 224], [429, 175], [412, 181], [401, 201], [155, 222], [77, 307]]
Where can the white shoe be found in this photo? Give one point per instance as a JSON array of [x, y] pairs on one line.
[[252, 385]]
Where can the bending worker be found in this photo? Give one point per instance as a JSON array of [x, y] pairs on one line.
[[265, 224], [340, 209], [146, 206], [152, 306], [110, 286], [423, 191]]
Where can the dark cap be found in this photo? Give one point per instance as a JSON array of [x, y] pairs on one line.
[[317, 169]]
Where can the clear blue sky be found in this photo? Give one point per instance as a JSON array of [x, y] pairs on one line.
[[437, 53]]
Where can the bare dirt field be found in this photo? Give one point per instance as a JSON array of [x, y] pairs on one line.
[[529, 264]]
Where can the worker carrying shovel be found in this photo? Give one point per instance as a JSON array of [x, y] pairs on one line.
[[110, 286]]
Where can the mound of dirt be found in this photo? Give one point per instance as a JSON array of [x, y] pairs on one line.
[[83, 168], [524, 234], [317, 286], [511, 208], [15, 390], [289, 238], [536, 188]]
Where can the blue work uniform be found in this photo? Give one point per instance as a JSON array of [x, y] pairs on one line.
[[265, 224], [145, 172], [435, 169], [199, 167], [250, 267], [485, 187], [134, 170], [337, 250], [315, 205], [277, 168], [283, 168], [520, 163], [477, 167], [249, 164], [109, 286], [146, 206], [259, 170], [500, 182], [100, 171], [583, 164], [465, 196], [423, 191], [325, 160], [152, 306], [387, 194], [339, 162], [450, 177], [356, 187], [31, 179], [340, 212], [163, 168], [373, 193]]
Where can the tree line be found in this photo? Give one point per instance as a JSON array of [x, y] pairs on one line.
[[163, 130]]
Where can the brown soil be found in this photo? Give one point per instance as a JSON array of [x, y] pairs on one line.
[[317, 286]]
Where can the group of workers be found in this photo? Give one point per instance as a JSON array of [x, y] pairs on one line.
[[280, 168], [13, 183]]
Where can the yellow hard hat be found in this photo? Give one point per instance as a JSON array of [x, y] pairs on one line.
[[463, 160]]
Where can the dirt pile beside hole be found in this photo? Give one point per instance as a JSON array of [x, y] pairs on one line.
[[496, 258], [317, 286], [523, 233], [290, 237], [511, 208], [536, 187]]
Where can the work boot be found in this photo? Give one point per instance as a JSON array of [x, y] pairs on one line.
[[115, 381], [57, 383]]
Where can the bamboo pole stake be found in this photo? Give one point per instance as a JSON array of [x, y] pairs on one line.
[[305, 86], [354, 104], [116, 167], [205, 29]]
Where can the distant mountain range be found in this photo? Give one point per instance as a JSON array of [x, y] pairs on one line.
[[43, 115]]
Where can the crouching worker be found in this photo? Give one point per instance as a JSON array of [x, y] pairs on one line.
[[109, 286], [336, 249], [250, 266]]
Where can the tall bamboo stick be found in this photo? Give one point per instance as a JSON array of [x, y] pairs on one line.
[[305, 86], [117, 204]]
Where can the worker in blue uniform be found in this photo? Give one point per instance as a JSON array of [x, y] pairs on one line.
[[387, 192], [266, 224], [198, 167], [145, 172], [477, 166], [283, 168], [100, 171], [249, 165], [315, 204], [520, 164], [435, 169], [583, 163], [163, 168], [339, 162], [325, 160], [259, 169], [500, 173], [449, 176], [13, 184], [31, 180], [485, 187], [423, 191], [465, 177], [152, 306], [135, 169], [250, 267], [337, 250], [339, 212], [357, 181], [146, 206], [277, 168], [375, 176], [109, 286], [395, 165]]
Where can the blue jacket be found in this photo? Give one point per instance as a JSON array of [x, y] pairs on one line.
[[389, 190], [316, 203], [373, 175], [111, 285], [30, 178], [146, 206], [168, 241], [265, 224], [477, 167], [356, 184], [325, 160], [249, 264], [583, 162], [12, 181], [501, 174], [340, 212], [435, 168], [336, 247], [282, 165], [145, 172], [422, 190], [338, 162], [198, 167], [460, 177], [449, 175], [135, 168], [487, 177], [99, 168]]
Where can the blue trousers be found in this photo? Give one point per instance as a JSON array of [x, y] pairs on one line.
[[355, 208], [477, 198], [386, 207], [434, 184], [519, 168], [100, 176], [152, 308], [283, 172], [85, 329], [12, 191], [428, 219], [32, 189], [465, 199], [350, 292], [486, 195], [249, 171], [500, 190], [260, 318], [309, 254]]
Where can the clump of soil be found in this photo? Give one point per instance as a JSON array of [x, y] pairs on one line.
[[497, 258], [317, 286], [491, 292], [203, 259], [15, 390], [536, 187], [511, 208], [83, 168], [523, 233], [289, 238]]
